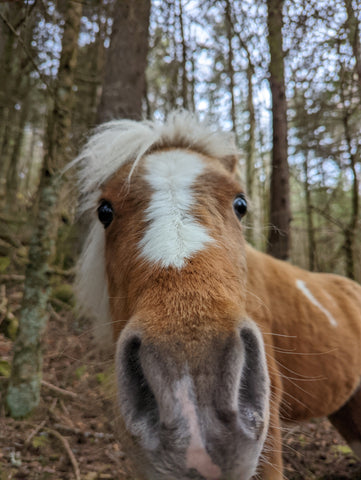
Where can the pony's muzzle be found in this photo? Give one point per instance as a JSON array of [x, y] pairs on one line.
[[203, 403]]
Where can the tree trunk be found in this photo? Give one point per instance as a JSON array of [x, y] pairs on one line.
[[11, 17], [124, 81], [309, 215], [24, 387], [251, 140], [184, 59], [193, 85], [350, 230], [97, 66], [280, 214], [229, 30], [354, 39], [6, 109], [13, 172], [15, 68], [29, 162], [250, 150]]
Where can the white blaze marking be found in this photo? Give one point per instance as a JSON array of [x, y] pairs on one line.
[[302, 286], [173, 235], [196, 456]]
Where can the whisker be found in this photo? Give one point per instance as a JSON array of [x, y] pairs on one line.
[[299, 375], [279, 335]]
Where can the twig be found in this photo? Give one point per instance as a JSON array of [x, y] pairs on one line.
[[61, 304], [328, 217], [33, 433], [297, 466], [60, 391], [7, 219], [54, 313], [10, 240], [116, 460], [67, 448], [12, 276], [39, 427], [86, 434], [67, 417], [63, 273]]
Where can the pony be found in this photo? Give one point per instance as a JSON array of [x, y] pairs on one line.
[[217, 344]]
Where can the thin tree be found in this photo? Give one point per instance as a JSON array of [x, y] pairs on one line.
[[350, 228], [251, 138], [230, 33], [184, 57], [12, 179], [24, 386], [309, 215], [124, 83], [353, 28], [280, 213], [11, 18]]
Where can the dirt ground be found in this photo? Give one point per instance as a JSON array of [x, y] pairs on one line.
[[70, 436]]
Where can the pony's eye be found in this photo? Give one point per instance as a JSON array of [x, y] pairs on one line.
[[105, 213], [240, 205]]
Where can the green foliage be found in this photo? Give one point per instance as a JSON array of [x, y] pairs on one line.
[[9, 326], [101, 377], [64, 293], [343, 449], [81, 371], [5, 369], [40, 441], [4, 263]]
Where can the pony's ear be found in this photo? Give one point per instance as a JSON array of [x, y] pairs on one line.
[[230, 162]]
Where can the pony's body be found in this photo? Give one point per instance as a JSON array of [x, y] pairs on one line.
[[315, 342], [216, 342], [316, 339]]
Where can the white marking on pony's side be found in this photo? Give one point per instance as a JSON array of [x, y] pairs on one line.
[[173, 235], [301, 285], [196, 455]]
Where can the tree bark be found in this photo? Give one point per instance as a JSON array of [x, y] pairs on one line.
[[229, 30], [350, 230], [124, 80], [193, 85], [251, 139], [280, 214], [6, 109], [13, 171], [354, 38], [16, 68], [184, 59], [250, 149], [29, 163], [10, 15], [309, 215], [24, 386]]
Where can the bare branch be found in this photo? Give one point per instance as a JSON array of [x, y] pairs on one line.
[[28, 53]]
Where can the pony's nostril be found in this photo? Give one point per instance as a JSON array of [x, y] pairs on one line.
[[254, 388], [136, 397]]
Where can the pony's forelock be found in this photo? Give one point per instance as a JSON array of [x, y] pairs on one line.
[[91, 286], [113, 145]]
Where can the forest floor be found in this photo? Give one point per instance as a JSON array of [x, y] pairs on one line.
[[70, 436]]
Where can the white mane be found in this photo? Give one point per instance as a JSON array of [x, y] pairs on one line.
[[115, 144]]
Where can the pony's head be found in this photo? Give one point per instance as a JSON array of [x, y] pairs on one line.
[[165, 265]]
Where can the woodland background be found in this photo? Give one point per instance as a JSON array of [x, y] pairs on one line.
[[283, 75]]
